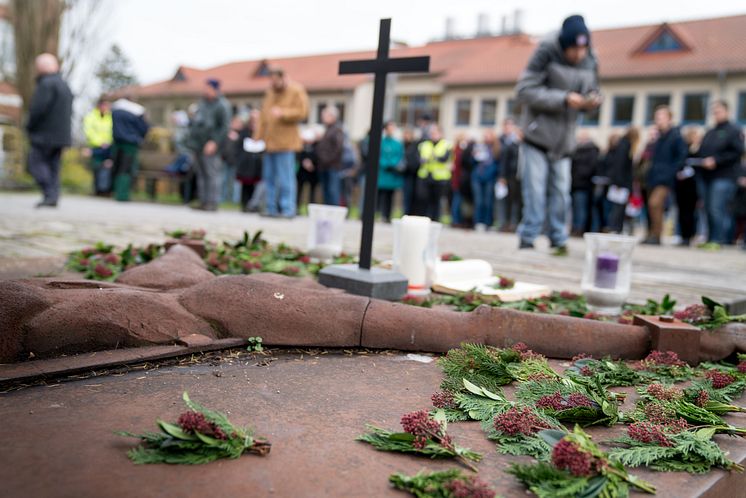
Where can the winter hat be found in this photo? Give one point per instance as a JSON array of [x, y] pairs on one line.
[[214, 83], [574, 33]]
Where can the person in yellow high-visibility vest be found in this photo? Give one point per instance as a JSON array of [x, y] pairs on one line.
[[97, 126], [434, 175]]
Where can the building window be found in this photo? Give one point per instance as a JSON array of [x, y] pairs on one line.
[[341, 108], [623, 110], [590, 118], [410, 108], [319, 108], [653, 102], [665, 42], [488, 112], [463, 112], [741, 108], [513, 109], [695, 108]]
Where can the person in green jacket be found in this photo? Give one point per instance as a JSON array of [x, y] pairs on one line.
[[97, 126], [389, 175], [434, 175]]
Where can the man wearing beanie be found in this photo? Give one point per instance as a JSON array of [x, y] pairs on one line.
[[207, 132], [560, 81]]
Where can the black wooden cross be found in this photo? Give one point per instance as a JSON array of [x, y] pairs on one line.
[[380, 66]]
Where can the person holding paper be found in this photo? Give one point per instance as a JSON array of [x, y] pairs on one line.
[[620, 173], [721, 151]]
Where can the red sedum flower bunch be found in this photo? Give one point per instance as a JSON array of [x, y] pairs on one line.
[[192, 422], [444, 399], [422, 427], [667, 358], [519, 421], [719, 379], [648, 432], [568, 455]]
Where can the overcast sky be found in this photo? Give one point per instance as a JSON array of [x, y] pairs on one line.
[[159, 35]]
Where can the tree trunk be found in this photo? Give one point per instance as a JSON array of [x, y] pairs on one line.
[[36, 31]]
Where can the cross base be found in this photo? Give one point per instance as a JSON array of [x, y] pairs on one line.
[[376, 282]]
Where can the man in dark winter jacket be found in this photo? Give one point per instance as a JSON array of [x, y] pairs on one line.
[[669, 153], [207, 133], [721, 148], [129, 128], [559, 82], [48, 127], [584, 168]]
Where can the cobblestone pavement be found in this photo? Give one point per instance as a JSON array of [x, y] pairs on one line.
[[35, 242]]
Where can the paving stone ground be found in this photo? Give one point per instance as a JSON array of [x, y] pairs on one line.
[[35, 242], [58, 440]]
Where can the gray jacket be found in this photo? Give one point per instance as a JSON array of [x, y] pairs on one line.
[[211, 122], [546, 120]]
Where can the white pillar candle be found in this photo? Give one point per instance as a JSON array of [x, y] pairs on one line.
[[414, 233]]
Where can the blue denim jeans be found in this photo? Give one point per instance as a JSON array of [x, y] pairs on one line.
[[278, 173], [545, 186], [331, 186], [484, 200], [581, 210], [718, 197], [456, 201]]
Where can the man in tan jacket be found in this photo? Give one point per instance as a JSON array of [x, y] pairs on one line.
[[285, 105]]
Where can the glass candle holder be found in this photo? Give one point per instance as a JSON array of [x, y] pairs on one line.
[[326, 231], [607, 274]]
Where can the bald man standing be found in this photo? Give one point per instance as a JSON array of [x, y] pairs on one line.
[[48, 127]]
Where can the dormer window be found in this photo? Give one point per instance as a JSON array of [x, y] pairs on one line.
[[665, 42], [179, 76], [263, 69], [663, 39]]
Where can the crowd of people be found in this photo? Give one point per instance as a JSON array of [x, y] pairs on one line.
[[536, 177], [695, 178]]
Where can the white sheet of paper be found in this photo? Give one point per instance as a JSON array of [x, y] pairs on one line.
[[501, 191], [618, 195], [251, 145]]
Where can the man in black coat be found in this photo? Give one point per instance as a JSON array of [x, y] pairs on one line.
[[48, 127], [721, 150], [584, 167]]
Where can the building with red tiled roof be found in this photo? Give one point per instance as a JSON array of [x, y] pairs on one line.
[[470, 85]]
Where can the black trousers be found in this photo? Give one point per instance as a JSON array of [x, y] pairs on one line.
[[44, 166], [385, 200], [430, 193], [686, 202], [247, 191]]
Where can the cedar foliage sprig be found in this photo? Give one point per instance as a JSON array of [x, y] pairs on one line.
[[422, 435], [491, 367], [200, 436], [568, 401], [659, 448], [578, 468], [481, 365], [451, 483], [606, 372]]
